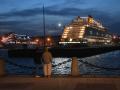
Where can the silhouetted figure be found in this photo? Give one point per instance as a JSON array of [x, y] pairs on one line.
[[47, 60], [37, 61]]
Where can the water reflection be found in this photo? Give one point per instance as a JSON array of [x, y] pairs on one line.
[[111, 60], [61, 69]]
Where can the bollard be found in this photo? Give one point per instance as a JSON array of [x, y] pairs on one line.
[[74, 67], [2, 67]]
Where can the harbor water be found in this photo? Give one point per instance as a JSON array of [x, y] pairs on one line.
[[62, 66]]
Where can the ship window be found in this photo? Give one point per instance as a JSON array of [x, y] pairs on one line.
[[107, 35], [110, 36], [102, 35], [80, 20], [97, 33], [91, 32]]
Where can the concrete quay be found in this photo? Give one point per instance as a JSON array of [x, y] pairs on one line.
[[59, 83]]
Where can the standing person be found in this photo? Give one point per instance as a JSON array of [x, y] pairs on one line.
[[37, 61], [47, 59]]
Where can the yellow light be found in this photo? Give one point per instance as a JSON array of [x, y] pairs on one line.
[[80, 36], [64, 36], [18, 42], [48, 39], [70, 40], [87, 25], [90, 20], [82, 29], [67, 28], [70, 27], [65, 32], [37, 40], [91, 40]]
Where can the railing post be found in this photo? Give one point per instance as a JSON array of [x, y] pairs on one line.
[[74, 67], [2, 67]]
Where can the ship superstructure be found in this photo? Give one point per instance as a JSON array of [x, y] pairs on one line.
[[85, 30]]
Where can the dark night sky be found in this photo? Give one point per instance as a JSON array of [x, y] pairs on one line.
[[25, 16]]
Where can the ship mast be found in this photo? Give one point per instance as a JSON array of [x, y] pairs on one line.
[[44, 32]]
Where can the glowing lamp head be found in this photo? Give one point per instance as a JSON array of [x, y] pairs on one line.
[[37, 40], [59, 24], [48, 39]]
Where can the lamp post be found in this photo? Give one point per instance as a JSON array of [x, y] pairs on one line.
[[60, 26], [44, 35], [48, 41]]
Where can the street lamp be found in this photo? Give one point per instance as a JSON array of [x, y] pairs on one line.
[[48, 39], [37, 40], [59, 24], [44, 32]]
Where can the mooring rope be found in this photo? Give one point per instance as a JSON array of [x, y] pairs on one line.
[[84, 62], [62, 63], [21, 66], [96, 66]]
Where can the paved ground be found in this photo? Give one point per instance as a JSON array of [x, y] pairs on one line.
[[58, 83]]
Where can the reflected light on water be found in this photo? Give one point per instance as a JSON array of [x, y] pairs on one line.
[[61, 69], [111, 59]]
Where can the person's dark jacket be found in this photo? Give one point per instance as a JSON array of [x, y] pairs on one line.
[[37, 57]]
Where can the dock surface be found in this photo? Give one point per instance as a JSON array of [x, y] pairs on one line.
[[58, 83]]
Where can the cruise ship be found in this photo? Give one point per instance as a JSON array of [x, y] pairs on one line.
[[85, 31]]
